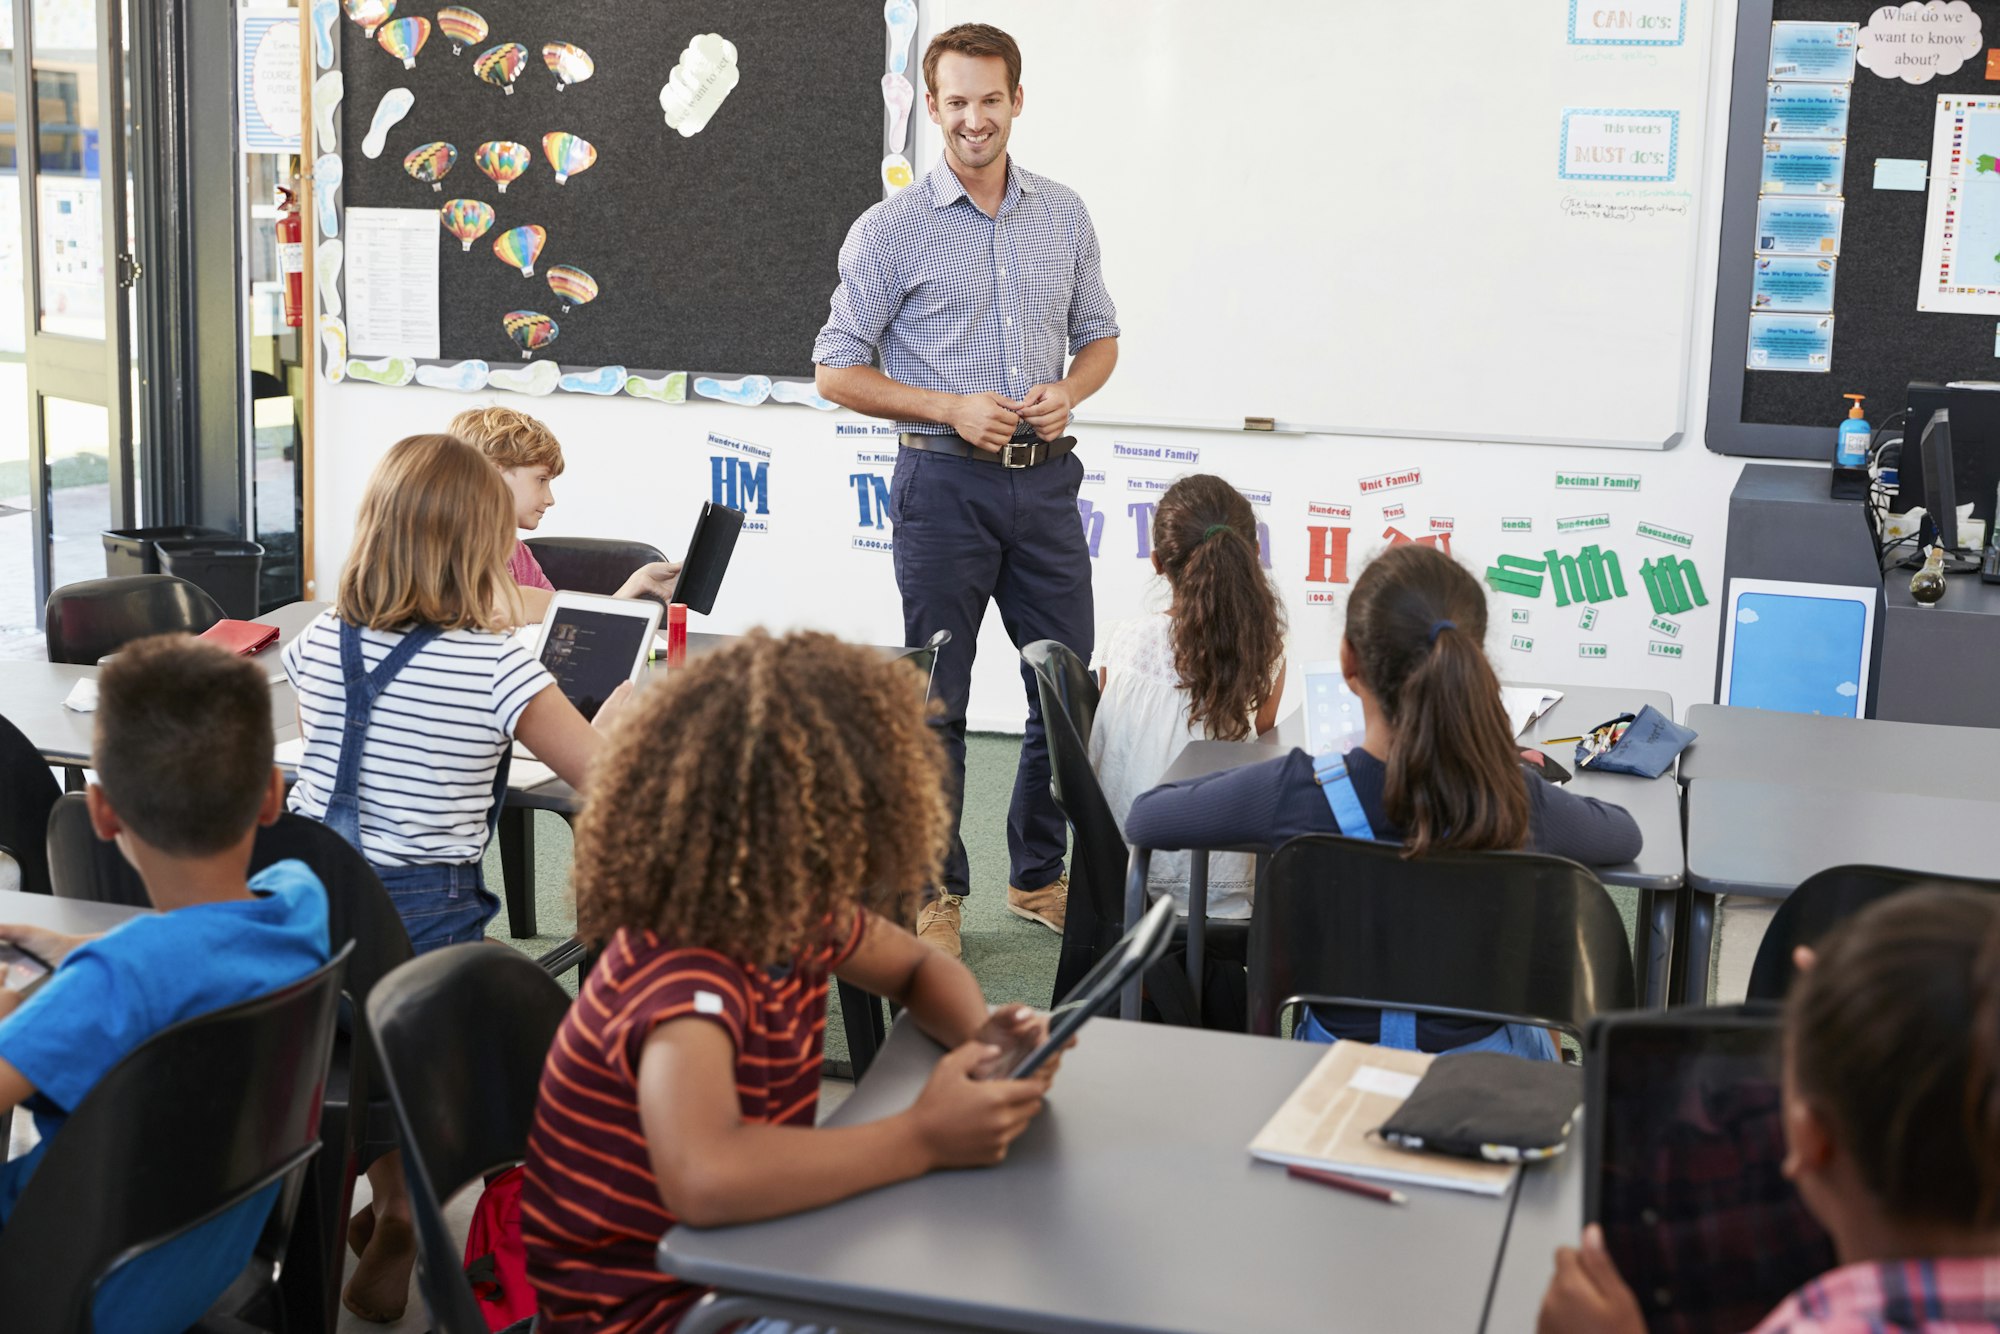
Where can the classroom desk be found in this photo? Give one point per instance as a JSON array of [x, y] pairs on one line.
[[1859, 755], [1548, 1212], [1763, 840], [1132, 1204], [1657, 874], [72, 917]]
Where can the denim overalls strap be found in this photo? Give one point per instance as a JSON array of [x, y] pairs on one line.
[[1399, 1027], [362, 687]]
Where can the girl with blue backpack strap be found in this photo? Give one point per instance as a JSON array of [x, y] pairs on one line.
[[1437, 769]]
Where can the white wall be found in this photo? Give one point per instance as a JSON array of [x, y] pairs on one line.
[[639, 470]]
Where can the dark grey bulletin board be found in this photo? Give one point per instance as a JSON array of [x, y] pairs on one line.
[[712, 253], [1881, 341]]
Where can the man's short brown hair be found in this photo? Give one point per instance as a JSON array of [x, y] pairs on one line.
[[973, 39], [183, 743], [509, 438]]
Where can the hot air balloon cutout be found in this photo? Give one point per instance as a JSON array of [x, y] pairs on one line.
[[404, 38], [431, 162], [501, 65], [461, 26], [517, 249], [468, 220], [570, 64], [370, 14], [531, 330], [572, 286], [568, 154], [503, 161]]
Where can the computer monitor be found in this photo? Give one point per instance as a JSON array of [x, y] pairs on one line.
[[1975, 443], [1940, 487]]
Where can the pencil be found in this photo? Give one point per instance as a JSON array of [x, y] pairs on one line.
[[1558, 740], [1348, 1184]]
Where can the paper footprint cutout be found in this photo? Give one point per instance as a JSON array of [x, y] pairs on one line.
[[901, 16], [392, 371], [325, 13], [328, 89], [463, 376], [327, 172], [603, 380], [896, 173], [395, 105], [899, 97], [326, 274], [537, 378], [800, 392], [333, 337], [745, 391], [671, 388]]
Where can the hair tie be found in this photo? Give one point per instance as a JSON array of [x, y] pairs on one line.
[[1213, 529], [1439, 627]]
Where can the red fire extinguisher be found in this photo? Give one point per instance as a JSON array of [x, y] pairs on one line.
[[292, 257]]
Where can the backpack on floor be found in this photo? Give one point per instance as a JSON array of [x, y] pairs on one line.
[[496, 1263]]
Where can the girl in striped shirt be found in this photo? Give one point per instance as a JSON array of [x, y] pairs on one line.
[[411, 695]]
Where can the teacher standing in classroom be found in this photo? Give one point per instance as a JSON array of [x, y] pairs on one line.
[[969, 287]]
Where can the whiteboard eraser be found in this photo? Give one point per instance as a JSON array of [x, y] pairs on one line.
[[1260, 424]]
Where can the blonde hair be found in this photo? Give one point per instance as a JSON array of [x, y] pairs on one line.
[[509, 438], [431, 542]]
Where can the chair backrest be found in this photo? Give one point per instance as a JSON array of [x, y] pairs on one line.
[[462, 1033], [1512, 936], [194, 1121], [1818, 905], [591, 564], [1096, 915], [87, 620], [27, 792]]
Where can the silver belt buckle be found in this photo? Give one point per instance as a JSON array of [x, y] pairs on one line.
[[1027, 448]]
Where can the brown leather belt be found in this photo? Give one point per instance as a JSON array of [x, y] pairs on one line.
[[1014, 454]]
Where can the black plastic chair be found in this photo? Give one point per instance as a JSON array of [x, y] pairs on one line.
[[193, 1122], [87, 620], [463, 1033], [591, 564], [27, 792], [1512, 937], [1822, 902], [360, 914]]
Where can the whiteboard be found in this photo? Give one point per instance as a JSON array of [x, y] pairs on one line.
[[1348, 217]]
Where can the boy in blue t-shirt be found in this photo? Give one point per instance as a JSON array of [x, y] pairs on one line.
[[182, 750]]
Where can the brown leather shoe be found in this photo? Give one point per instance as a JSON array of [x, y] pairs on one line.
[[937, 924], [1048, 905]]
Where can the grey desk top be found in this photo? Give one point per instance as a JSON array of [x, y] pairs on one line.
[[1763, 839], [1132, 1204], [72, 917], [1856, 754], [1654, 803], [1548, 1212], [34, 692]]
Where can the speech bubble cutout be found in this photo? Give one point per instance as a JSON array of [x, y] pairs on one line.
[[1916, 42], [705, 75]]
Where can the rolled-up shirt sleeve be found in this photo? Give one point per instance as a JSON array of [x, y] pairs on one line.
[[863, 303], [1091, 313]]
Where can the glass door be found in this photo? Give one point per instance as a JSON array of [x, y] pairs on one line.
[[68, 318]]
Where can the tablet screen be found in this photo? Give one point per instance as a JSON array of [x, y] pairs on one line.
[[1695, 1207], [1334, 724], [591, 653]]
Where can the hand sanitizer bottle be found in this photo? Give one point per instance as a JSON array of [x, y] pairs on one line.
[[1852, 449]]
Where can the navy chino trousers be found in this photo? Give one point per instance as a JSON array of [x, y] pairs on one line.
[[966, 532]]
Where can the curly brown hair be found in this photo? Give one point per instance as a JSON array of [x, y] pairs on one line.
[[1229, 629], [751, 802]]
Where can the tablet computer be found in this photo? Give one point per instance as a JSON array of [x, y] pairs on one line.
[[707, 557], [21, 971], [1334, 724], [590, 644], [1142, 947], [1683, 1165]]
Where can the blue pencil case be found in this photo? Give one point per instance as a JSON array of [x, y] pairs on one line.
[[1644, 744]]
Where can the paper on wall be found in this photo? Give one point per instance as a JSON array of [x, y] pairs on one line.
[[392, 282]]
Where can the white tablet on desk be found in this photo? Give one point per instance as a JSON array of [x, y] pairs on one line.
[[592, 644]]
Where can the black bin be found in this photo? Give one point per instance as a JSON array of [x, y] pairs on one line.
[[225, 568], [134, 550]]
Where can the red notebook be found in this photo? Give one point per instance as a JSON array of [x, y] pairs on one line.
[[243, 638]]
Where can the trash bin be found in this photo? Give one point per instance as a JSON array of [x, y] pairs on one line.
[[225, 568], [131, 550]]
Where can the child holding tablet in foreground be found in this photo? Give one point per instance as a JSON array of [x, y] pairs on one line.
[[1892, 1130], [768, 818], [1437, 768], [1211, 665], [529, 459]]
